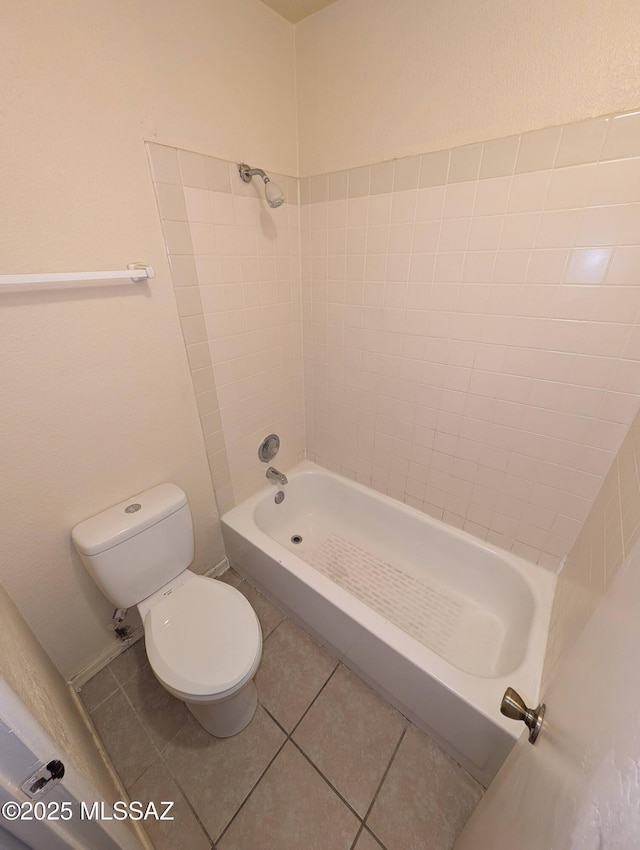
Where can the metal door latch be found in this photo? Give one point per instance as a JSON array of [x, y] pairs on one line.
[[514, 706], [43, 780]]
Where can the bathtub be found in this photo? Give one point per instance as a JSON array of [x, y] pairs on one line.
[[435, 620]]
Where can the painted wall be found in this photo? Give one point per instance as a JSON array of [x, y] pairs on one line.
[[378, 79], [31, 675], [97, 400], [577, 788]]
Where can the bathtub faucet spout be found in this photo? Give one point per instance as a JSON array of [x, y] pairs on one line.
[[274, 475]]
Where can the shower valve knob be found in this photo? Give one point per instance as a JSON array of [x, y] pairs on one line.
[[514, 707]]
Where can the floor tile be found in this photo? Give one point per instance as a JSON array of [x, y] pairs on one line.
[[269, 615], [217, 774], [292, 671], [257, 790], [425, 799], [162, 714], [129, 662], [97, 689], [156, 785], [366, 841], [350, 734], [124, 737], [292, 808], [231, 577]]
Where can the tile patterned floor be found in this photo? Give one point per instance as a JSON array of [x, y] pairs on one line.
[[325, 764]]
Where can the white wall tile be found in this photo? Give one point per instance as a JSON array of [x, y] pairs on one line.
[[587, 265], [483, 317], [492, 196], [236, 271], [459, 199], [528, 191], [570, 187], [197, 204], [616, 182], [470, 339], [427, 205]]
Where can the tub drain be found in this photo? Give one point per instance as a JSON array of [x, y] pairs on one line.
[[297, 538]]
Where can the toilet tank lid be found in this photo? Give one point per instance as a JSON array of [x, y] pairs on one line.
[[127, 518]]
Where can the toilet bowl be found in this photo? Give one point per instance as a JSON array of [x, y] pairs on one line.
[[181, 626], [202, 636]]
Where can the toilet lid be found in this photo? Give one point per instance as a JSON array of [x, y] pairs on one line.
[[202, 638]]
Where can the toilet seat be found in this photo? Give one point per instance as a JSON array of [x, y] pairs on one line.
[[203, 640]]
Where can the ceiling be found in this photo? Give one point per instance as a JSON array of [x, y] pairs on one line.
[[296, 10]]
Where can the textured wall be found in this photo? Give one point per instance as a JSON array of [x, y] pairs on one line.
[[31, 675], [97, 400], [379, 79]]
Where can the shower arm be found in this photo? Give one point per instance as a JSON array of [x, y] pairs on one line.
[[247, 173], [273, 193]]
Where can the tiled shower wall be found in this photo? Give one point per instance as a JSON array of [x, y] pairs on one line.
[[235, 265], [471, 327], [471, 336], [604, 542]]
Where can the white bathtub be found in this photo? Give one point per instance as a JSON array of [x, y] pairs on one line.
[[435, 620]]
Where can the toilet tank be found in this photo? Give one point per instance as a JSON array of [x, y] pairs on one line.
[[134, 548]]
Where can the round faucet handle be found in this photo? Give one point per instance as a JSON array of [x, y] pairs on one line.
[[514, 707]]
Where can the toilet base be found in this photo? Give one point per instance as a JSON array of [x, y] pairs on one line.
[[227, 717]]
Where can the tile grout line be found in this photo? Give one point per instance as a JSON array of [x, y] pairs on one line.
[[120, 686], [102, 701], [166, 764], [287, 739], [382, 781], [276, 754], [135, 714], [329, 783], [185, 797], [367, 831], [159, 756], [289, 735], [308, 708], [159, 753], [253, 787], [140, 721]]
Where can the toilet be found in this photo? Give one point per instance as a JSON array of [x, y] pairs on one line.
[[202, 636]]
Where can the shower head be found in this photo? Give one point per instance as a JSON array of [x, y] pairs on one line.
[[273, 192]]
